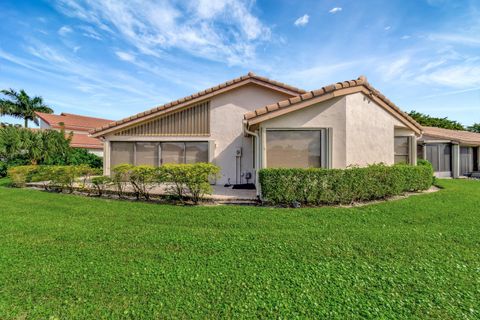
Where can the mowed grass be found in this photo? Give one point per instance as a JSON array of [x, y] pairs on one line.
[[71, 257]]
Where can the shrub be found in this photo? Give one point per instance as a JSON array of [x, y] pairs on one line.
[[21, 175], [120, 178], [78, 156], [3, 169], [143, 179], [341, 186], [197, 179], [101, 183], [189, 179], [63, 177]]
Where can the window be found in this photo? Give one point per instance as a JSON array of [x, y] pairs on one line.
[[294, 148], [122, 152], [146, 153], [439, 155], [402, 150], [157, 153], [196, 152], [173, 152]]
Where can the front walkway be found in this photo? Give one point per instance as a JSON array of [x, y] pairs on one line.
[[220, 193]]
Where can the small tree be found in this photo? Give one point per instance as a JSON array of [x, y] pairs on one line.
[[21, 105], [474, 128], [429, 121]]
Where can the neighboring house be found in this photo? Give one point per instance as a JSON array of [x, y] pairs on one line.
[[453, 153], [79, 126], [252, 122]]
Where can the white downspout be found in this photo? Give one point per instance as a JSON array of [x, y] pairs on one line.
[[257, 155]]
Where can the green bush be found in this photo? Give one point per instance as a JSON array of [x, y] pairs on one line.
[[198, 177], [21, 175], [142, 180], [57, 177], [185, 180], [120, 177], [3, 169], [20, 146], [342, 186], [101, 183]]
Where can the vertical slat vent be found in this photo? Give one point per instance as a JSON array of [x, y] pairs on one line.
[[193, 121]]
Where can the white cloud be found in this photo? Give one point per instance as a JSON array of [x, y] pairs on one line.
[[387, 28], [217, 30], [125, 56], [63, 31], [302, 21], [456, 38], [405, 37], [335, 10]]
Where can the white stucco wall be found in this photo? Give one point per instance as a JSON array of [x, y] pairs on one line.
[[370, 132], [362, 131], [227, 111], [328, 114], [226, 131]]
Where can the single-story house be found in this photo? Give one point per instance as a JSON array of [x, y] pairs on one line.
[[253, 122], [453, 153], [79, 126]]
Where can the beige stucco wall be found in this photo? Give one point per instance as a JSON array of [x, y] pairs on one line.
[[362, 131], [328, 114], [226, 131], [370, 132]]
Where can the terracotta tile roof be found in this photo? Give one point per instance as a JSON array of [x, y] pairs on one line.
[[86, 142], [337, 89], [463, 137], [72, 121], [249, 78]]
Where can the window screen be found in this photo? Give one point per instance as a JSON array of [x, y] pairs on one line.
[[173, 152], [439, 156], [122, 152], [196, 152], [146, 153], [294, 148], [402, 154]]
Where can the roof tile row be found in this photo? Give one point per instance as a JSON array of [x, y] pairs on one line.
[[361, 81], [249, 76]]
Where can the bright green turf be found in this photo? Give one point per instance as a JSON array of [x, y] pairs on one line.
[[72, 257]]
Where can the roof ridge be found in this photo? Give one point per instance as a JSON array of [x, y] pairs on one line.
[[249, 75], [360, 81]]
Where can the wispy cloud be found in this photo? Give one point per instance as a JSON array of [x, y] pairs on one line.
[[302, 21], [214, 30], [462, 39], [63, 31], [125, 56], [335, 10]]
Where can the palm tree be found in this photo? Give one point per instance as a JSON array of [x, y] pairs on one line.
[[20, 105]]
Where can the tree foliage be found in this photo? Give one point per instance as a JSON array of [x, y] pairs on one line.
[[429, 121], [474, 128], [21, 105], [20, 146]]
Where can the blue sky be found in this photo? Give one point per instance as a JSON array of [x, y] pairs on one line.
[[115, 58]]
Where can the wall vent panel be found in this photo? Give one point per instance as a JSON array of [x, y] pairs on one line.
[[193, 121]]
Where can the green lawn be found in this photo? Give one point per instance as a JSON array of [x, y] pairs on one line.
[[72, 257]]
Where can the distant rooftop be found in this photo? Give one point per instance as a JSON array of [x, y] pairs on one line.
[[72, 121]]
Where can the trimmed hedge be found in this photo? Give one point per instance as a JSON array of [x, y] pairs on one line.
[[342, 186], [184, 181], [58, 177]]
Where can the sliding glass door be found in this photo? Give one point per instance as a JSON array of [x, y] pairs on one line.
[[158, 153], [440, 156]]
